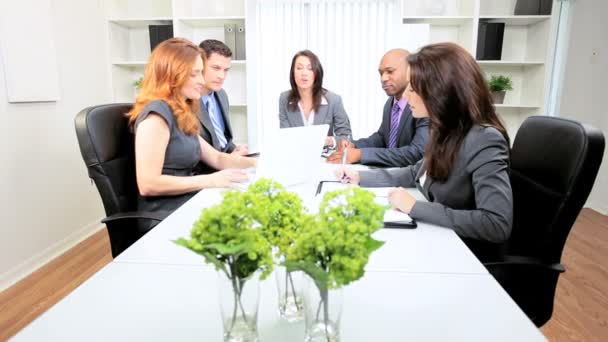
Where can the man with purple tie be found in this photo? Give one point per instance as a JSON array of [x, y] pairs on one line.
[[401, 139]]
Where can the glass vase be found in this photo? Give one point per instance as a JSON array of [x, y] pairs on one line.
[[322, 311], [289, 289], [239, 299]]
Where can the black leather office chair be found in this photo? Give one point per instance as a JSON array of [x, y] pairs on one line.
[[554, 163], [106, 145]]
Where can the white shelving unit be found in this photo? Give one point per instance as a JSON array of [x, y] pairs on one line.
[[195, 20], [526, 52]]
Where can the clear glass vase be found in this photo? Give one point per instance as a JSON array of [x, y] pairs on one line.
[[239, 301], [289, 289], [322, 311]]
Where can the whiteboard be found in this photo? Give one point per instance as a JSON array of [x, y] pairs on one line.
[[27, 51]]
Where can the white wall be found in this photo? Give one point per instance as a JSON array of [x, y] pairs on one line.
[[48, 203], [584, 88]]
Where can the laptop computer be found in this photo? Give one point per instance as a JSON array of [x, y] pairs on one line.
[[291, 155]]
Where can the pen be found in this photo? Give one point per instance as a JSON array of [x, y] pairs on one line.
[[344, 157]]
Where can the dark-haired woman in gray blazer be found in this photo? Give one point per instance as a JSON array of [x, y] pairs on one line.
[[308, 103], [464, 174]]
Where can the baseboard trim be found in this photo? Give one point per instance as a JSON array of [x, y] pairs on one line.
[[25, 268]]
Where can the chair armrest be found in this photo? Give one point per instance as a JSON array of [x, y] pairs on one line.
[[129, 215], [516, 261]]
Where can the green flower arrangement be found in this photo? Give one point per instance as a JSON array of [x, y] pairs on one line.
[[335, 249], [238, 237], [227, 235]]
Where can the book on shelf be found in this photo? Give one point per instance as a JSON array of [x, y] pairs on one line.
[[159, 33], [489, 40], [240, 42], [230, 37]]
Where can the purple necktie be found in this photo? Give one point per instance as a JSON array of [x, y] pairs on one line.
[[392, 140]]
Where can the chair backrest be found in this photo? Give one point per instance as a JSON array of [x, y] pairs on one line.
[[554, 162], [106, 145]]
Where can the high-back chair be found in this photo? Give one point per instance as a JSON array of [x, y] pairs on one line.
[[106, 145], [554, 162]]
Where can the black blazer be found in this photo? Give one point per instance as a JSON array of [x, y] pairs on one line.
[[413, 135]]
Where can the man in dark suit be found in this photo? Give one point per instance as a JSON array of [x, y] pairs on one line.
[[401, 139], [214, 106]]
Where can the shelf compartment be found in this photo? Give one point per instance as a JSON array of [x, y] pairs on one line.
[[138, 8], [209, 8], [516, 20], [135, 23], [438, 20], [450, 8], [510, 63]]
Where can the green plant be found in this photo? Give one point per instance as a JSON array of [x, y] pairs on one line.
[[282, 217], [137, 82], [227, 236], [500, 83], [335, 249]]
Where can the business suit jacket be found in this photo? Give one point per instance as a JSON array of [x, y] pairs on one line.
[[207, 132], [413, 135], [332, 113], [476, 199]]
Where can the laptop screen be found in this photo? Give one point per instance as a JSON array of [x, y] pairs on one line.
[[291, 155]]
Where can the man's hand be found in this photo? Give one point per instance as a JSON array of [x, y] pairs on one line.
[[240, 150], [342, 144], [353, 156]]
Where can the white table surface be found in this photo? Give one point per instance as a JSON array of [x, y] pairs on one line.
[[426, 249], [152, 302]]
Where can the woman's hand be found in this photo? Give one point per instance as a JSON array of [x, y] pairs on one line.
[[400, 199], [240, 150], [347, 175], [226, 178]]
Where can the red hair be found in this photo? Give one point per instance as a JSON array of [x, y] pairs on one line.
[[167, 71]]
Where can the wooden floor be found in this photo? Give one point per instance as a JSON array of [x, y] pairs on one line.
[[581, 307]]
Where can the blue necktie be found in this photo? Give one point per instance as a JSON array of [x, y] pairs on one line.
[[218, 127], [392, 140]]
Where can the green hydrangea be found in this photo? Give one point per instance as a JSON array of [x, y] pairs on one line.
[[227, 235], [279, 212], [336, 247]]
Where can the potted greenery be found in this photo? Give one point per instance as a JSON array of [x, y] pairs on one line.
[[333, 252], [499, 84], [282, 217], [227, 236]]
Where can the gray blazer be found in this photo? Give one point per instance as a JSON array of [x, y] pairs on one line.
[[413, 135], [208, 133], [332, 113], [476, 199]]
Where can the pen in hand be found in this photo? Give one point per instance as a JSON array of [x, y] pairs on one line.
[[344, 178]]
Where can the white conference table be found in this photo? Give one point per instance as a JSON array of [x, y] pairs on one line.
[[426, 249], [156, 302], [424, 284]]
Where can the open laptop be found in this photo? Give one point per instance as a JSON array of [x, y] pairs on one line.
[[291, 155]]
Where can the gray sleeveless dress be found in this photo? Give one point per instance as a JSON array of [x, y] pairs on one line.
[[181, 156]]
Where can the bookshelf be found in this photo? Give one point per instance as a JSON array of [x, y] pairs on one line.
[[196, 20], [526, 51]]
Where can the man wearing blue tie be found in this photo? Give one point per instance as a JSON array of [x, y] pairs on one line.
[[401, 139], [214, 107]]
